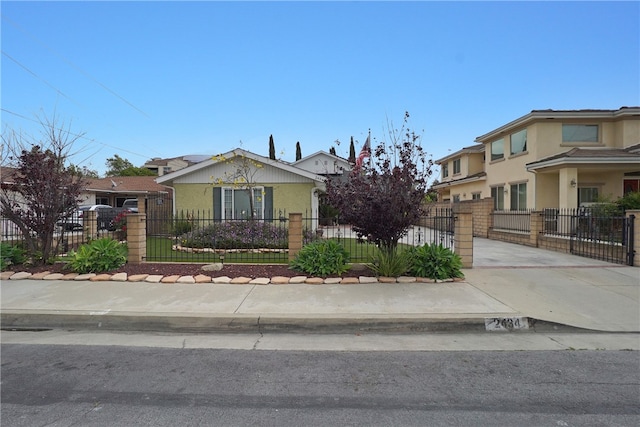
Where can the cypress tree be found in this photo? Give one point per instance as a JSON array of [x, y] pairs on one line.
[[352, 152], [272, 148], [298, 151]]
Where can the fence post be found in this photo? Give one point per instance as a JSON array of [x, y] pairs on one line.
[[295, 234], [535, 227], [635, 237], [463, 234], [137, 237], [90, 225]]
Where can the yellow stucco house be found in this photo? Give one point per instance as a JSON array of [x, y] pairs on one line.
[[214, 185], [548, 159]]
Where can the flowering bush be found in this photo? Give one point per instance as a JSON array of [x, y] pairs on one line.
[[119, 223], [237, 234]]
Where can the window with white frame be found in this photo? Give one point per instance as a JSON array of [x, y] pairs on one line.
[[445, 170], [575, 133], [497, 150], [519, 196], [475, 196], [456, 166], [456, 198], [497, 193], [237, 204], [519, 142], [587, 195]]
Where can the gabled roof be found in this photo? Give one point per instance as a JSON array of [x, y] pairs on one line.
[[476, 148], [537, 115], [319, 153], [168, 178], [7, 174], [126, 184], [596, 155], [480, 176]]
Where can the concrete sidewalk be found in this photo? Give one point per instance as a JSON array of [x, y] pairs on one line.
[[554, 291]]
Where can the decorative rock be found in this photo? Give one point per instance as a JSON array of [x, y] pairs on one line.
[[385, 279], [279, 280], [406, 279], [298, 279], [314, 281], [53, 276], [221, 280], [332, 280], [350, 281], [367, 279], [70, 276], [240, 280], [153, 278], [186, 279], [216, 266], [119, 277], [458, 279], [424, 280], [20, 275], [260, 281], [137, 277], [170, 279], [202, 278], [39, 276], [100, 277], [86, 276], [5, 275]]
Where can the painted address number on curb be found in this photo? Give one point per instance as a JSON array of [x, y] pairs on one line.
[[505, 323]]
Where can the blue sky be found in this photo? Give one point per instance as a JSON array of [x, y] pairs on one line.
[[165, 79]]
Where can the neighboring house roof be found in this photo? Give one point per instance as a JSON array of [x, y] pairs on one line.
[[591, 156], [7, 173], [307, 161], [480, 176], [537, 115], [170, 177], [164, 162], [126, 184], [476, 148]]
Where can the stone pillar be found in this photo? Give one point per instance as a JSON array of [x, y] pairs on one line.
[[463, 234], [90, 225], [141, 206], [635, 237], [137, 237], [295, 234], [535, 230]]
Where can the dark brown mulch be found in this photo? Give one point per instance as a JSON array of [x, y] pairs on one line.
[[169, 269]]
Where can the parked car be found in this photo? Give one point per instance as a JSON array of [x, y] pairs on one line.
[[75, 221], [131, 205]]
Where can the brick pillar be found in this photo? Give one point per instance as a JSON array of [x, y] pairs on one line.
[[636, 235], [536, 221], [137, 237], [141, 207], [463, 234], [90, 225], [295, 234]]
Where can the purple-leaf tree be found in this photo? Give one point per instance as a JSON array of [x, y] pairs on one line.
[[40, 189], [382, 198]]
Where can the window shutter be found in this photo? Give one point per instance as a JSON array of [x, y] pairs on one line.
[[268, 203], [217, 203]]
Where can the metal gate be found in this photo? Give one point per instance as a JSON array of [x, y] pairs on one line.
[[604, 237]]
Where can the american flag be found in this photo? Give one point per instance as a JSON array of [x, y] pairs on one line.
[[364, 153]]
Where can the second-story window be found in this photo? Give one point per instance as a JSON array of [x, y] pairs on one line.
[[445, 170], [575, 133], [519, 142], [497, 150], [456, 166]]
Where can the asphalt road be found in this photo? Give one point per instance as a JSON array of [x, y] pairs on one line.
[[65, 385]]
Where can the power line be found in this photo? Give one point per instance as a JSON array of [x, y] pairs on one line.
[[74, 66]]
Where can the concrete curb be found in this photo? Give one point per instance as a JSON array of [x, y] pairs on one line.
[[208, 323]]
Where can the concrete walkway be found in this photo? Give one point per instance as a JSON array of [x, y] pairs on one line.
[[510, 286]]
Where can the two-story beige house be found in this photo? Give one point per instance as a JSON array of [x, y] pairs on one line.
[[548, 159]]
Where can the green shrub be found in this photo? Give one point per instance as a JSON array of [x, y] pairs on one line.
[[629, 201], [321, 258], [10, 255], [180, 226], [435, 262], [390, 263], [98, 256]]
